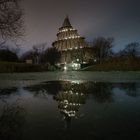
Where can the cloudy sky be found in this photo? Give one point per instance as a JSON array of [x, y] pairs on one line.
[[109, 18]]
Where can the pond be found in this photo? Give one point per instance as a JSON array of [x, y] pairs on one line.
[[69, 106]]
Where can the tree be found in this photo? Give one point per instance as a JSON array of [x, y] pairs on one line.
[[102, 47], [38, 51], [11, 22], [36, 54], [52, 55], [8, 55], [27, 55], [132, 50]]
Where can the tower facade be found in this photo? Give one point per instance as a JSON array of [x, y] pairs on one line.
[[71, 45]]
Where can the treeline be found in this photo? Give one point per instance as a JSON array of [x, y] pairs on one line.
[[102, 51], [106, 59], [41, 54], [42, 59]]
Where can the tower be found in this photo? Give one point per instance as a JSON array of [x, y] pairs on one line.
[[69, 43]]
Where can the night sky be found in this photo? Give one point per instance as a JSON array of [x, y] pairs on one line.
[[109, 18]]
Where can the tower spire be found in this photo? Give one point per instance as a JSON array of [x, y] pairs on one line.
[[66, 22]]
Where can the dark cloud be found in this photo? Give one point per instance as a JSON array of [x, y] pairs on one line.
[[92, 18]]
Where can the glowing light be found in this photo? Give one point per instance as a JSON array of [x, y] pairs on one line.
[[72, 29], [64, 30], [65, 101], [76, 66], [84, 62], [65, 68], [71, 37]]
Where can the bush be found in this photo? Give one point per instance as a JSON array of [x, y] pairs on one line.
[[7, 55]]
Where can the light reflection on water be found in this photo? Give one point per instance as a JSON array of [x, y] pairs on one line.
[[70, 110]]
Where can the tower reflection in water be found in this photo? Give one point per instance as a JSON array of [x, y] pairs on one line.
[[34, 108], [70, 98], [71, 95]]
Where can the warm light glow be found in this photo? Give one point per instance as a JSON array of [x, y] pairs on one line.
[[72, 29], [71, 37], [64, 30], [95, 60], [65, 68], [76, 66], [84, 62]]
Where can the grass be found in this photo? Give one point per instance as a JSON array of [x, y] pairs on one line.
[[115, 66], [10, 67], [111, 65]]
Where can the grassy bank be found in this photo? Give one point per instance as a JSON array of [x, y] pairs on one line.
[[115, 66], [10, 67]]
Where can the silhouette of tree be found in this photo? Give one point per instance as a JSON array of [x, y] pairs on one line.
[[102, 47], [132, 50], [11, 21], [38, 51], [52, 56], [36, 54], [7, 55]]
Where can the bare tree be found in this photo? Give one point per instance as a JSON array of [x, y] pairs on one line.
[[11, 21], [132, 50], [39, 48], [102, 47], [52, 55], [38, 51]]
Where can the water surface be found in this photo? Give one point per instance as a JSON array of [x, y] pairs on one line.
[[69, 107]]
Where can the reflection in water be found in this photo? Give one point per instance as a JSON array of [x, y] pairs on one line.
[[109, 107], [70, 98], [4, 93], [11, 122], [70, 95], [102, 92], [130, 89]]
